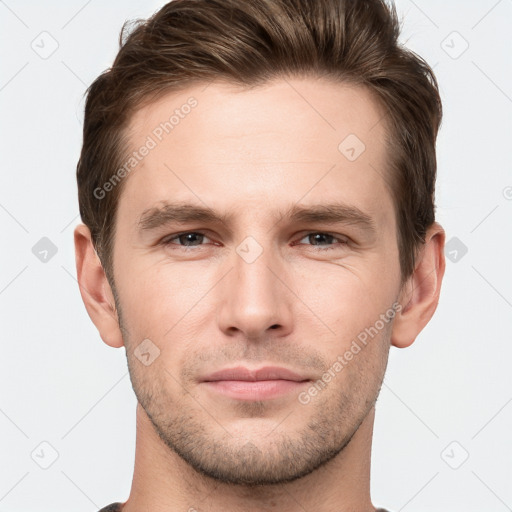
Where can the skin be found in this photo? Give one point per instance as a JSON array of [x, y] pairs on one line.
[[251, 154]]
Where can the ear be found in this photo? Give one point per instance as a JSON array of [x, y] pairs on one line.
[[95, 288], [420, 294]]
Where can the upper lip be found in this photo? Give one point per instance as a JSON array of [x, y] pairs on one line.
[[264, 373]]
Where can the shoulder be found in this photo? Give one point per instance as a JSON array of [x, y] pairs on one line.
[[114, 507]]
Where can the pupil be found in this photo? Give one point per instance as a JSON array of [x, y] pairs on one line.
[[320, 235], [188, 235]]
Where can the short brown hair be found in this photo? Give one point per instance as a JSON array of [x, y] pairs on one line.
[[249, 42]]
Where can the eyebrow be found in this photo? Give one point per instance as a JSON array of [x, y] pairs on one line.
[[183, 213]]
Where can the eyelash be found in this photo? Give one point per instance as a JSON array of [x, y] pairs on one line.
[[168, 240]]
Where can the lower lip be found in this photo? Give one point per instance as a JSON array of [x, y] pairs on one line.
[[255, 390]]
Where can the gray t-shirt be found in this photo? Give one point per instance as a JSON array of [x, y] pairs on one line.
[[116, 507]]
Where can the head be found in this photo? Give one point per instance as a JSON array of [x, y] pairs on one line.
[[291, 144]]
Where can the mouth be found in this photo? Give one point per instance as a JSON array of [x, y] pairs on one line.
[[264, 383]]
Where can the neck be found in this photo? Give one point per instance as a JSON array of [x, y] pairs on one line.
[[163, 482]]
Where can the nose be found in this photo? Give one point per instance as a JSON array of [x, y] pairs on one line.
[[255, 301]]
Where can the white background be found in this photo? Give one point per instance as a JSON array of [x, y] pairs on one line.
[[62, 385]]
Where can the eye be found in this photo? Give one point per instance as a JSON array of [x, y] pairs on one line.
[[185, 240], [320, 239]]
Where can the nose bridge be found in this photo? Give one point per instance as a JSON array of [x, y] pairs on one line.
[[256, 300], [252, 263]]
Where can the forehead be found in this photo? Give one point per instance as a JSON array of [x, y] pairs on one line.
[[285, 140]]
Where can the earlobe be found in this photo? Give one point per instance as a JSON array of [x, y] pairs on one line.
[[95, 288], [420, 294]]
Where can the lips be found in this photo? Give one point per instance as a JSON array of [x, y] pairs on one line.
[[241, 373], [240, 383]]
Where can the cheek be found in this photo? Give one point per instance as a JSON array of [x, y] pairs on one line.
[[346, 299], [168, 304], [146, 308]]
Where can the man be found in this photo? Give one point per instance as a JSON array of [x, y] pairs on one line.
[[257, 189]]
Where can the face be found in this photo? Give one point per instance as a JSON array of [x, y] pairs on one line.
[[284, 282]]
